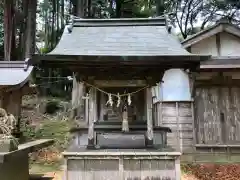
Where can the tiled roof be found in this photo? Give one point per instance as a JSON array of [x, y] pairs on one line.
[[119, 37], [14, 73]]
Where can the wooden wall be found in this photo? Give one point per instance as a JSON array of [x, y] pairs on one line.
[[217, 110], [178, 116]]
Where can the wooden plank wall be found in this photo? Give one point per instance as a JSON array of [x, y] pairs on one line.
[[217, 112], [178, 116]]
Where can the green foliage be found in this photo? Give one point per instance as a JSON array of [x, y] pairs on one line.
[[50, 129], [55, 129], [52, 107]]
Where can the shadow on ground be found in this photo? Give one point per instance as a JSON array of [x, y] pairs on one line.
[[39, 177]]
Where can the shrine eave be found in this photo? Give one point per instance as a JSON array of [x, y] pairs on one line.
[[175, 61], [129, 37], [14, 73]]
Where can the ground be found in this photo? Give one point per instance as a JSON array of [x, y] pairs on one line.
[[37, 123], [194, 172]]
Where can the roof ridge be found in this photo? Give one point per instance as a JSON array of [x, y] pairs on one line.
[[80, 22], [218, 24]]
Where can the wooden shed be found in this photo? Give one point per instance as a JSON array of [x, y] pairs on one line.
[[14, 77], [215, 103]]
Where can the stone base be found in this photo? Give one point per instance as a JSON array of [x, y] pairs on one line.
[[14, 165], [8, 145], [15, 168], [122, 165], [121, 140]]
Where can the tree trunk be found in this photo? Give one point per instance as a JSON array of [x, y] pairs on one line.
[[30, 31], [62, 13], [118, 8], [8, 28], [160, 7]]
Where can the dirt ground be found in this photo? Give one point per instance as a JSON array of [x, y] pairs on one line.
[[56, 175], [193, 172], [211, 172], [59, 175]]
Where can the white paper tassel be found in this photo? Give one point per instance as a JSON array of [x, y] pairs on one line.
[[129, 99], [119, 100], [110, 101]]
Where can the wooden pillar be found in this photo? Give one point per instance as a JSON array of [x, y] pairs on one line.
[[78, 91], [91, 119], [149, 111], [102, 107], [86, 98], [95, 108]]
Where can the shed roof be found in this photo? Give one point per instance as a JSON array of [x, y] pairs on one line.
[[128, 37], [221, 63], [14, 73], [221, 26]]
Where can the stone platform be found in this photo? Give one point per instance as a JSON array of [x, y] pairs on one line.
[[121, 164]]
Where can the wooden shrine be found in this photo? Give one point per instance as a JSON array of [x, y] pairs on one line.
[[116, 62], [13, 85], [14, 77]]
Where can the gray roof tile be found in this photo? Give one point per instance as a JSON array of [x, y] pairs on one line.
[[119, 37], [14, 73]]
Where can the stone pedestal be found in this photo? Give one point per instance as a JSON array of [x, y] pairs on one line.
[[122, 165], [14, 165], [15, 168]]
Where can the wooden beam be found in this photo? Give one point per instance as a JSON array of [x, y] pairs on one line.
[[102, 106], [95, 112], [91, 141], [120, 83], [178, 127], [77, 93], [218, 43], [194, 124], [86, 98], [149, 111], [207, 83]]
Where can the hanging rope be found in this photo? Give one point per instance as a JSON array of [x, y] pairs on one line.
[[116, 95], [119, 96]]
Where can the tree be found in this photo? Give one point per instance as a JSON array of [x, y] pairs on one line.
[[1, 31], [188, 14]]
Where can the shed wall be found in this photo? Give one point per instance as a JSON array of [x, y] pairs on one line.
[[230, 44], [218, 115], [206, 46], [179, 117]]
